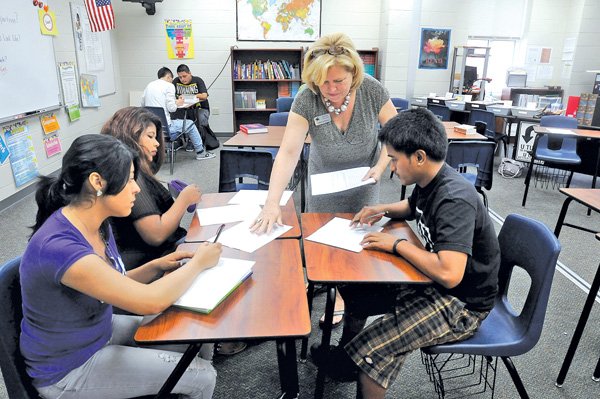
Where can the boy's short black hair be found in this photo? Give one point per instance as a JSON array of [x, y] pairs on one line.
[[183, 68], [416, 129], [164, 71]]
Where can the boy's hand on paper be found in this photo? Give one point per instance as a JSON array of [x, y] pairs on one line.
[[207, 254], [191, 194], [173, 260], [367, 215], [265, 221], [379, 241]]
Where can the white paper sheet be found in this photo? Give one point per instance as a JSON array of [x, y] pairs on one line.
[[213, 285], [227, 214], [559, 130], [341, 180], [258, 197], [240, 237], [338, 233]]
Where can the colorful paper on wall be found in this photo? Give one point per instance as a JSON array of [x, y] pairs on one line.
[[180, 41], [22, 155], [52, 146], [4, 152], [47, 22], [89, 90], [49, 123], [74, 113]]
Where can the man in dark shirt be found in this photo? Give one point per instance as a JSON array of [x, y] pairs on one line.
[[461, 256], [188, 85]]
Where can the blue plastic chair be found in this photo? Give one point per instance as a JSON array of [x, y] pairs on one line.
[[18, 383], [237, 164], [530, 245], [284, 104], [400, 103], [278, 118], [557, 151], [441, 111], [489, 118], [479, 154]]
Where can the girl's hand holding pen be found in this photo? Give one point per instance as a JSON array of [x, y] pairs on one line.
[[207, 255], [367, 215]]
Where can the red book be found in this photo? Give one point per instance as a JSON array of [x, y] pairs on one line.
[[572, 106], [251, 128]]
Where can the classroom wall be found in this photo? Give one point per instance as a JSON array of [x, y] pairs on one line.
[[91, 118]]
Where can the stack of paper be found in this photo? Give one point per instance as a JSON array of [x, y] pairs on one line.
[[213, 285], [342, 180], [227, 214], [240, 237], [465, 129], [338, 233], [258, 197]]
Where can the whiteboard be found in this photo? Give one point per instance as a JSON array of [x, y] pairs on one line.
[[93, 51], [28, 74]]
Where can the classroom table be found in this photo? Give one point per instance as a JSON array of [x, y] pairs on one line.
[[589, 197], [270, 305], [579, 133], [271, 139], [197, 232]]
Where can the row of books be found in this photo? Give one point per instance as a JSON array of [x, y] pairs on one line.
[[265, 70], [586, 109], [287, 89], [244, 99], [369, 63]]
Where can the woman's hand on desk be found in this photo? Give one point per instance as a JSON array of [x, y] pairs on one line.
[[173, 260], [265, 221]]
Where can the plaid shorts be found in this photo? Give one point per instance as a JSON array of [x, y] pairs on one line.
[[423, 317]]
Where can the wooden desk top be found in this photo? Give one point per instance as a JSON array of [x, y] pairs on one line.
[[197, 232], [594, 134], [589, 197], [449, 125], [272, 138], [271, 303], [325, 263]]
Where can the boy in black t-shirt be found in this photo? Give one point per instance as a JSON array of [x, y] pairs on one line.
[[462, 258]]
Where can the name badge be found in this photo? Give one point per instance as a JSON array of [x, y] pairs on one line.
[[322, 119]]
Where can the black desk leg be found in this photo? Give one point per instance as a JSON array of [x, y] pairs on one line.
[[585, 313], [561, 217], [402, 192], [190, 353], [530, 170], [310, 293], [326, 338], [518, 134], [288, 369]]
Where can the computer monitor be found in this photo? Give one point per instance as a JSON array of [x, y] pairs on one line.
[[470, 76]]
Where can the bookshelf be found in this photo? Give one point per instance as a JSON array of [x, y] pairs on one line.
[[261, 76], [370, 61]]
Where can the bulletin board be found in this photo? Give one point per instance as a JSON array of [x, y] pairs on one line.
[[29, 82], [93, 51]]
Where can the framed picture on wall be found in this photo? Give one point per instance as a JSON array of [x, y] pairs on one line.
[[278, 20], [435, 45]]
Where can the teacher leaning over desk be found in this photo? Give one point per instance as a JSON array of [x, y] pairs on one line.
[[340, 112]]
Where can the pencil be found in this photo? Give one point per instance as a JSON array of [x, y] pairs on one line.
[[219, 232]]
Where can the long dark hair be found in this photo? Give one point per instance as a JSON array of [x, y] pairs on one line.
[[102, 154], [128, 124]]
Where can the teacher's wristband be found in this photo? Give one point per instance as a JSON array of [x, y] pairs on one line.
[[394, 250]]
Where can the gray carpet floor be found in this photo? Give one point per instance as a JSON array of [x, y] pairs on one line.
[[253, 373]]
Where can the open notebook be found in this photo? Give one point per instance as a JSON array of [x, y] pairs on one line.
[[212, 286]]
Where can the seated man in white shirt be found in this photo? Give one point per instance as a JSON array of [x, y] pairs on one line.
[[161, 93]]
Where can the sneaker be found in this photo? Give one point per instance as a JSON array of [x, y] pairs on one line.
[[189, 147], [205, 155], [335, 362]]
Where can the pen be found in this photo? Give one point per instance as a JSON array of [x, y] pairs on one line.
[[219, 232]]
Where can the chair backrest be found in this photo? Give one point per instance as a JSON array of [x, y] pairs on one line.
[[529, 244], [479, 153], [278, 118], [160, 112], [18, 384], [553, 142], [441, 111], [236, 164], [487, 117], [400, 103], [284, 104]]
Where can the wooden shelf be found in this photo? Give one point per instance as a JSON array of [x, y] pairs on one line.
[[267, 80], [254, 110]]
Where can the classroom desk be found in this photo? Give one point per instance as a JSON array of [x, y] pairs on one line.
[[579, 133], [271, 139], [271, 305], [589, 197], [196, 232], [583, 318]]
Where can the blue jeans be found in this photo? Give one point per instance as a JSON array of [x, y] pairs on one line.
[[176, 128], [203, 115], [122, 370]]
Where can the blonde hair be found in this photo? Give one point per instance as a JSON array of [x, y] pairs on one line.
[[335, 49]]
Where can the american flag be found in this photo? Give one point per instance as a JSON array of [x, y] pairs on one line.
[[100, 14]]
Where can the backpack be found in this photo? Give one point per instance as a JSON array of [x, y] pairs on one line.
[[509, 168], [209, 139]]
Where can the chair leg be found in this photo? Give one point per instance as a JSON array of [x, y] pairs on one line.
[[569, 179], [527, 181], [515, 377], [402, 192], [596, 376]]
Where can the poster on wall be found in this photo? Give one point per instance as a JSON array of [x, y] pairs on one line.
[[23, 161], [52, 146], [180, 41], [278, 20], [89, 90], [435, 45]]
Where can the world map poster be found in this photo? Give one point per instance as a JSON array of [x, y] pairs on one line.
[[279, 20]]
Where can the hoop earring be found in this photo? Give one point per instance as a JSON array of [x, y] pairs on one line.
[[98, 193]]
